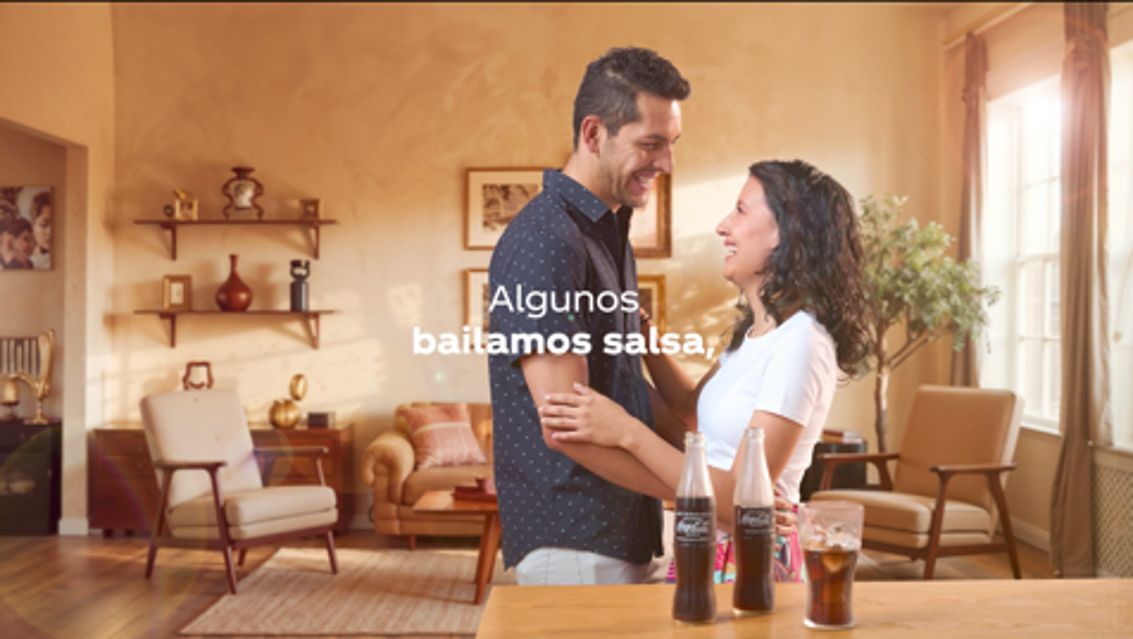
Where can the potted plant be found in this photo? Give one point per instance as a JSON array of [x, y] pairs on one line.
[[912, 282]]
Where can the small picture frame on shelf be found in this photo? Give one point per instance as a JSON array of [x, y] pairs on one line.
[[311, 209], [176, 293], [184, 206]]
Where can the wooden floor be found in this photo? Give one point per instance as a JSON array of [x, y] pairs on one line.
[[93, 588]]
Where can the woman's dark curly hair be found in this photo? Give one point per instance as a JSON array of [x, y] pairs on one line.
[[818, 263]]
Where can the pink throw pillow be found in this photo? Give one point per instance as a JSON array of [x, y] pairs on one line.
[[442, 436]]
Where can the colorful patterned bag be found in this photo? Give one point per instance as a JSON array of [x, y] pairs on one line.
[[788, 560]]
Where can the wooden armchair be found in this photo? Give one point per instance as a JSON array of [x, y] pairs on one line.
[[948, 479], [212, 492]]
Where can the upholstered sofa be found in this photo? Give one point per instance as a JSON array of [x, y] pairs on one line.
[[389, 466]]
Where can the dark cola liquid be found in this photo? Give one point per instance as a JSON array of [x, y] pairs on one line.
[[694, 551], [754, 541], [830, 585]]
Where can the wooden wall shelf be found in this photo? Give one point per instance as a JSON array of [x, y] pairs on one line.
[[312, 227], [311, 317]]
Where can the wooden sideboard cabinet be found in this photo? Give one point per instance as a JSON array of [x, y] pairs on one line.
[[123, 489], [29, 478]]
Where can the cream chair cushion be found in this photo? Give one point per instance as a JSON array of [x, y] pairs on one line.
[[912, 513], [262, 529], [247, 507], [906, 519]]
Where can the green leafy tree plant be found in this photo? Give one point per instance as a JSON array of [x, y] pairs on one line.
[[911, 281]]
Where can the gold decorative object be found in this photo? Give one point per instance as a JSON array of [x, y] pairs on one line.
[[285, 413], [298, 387], [9, 398], [41, 386], [185, 206]]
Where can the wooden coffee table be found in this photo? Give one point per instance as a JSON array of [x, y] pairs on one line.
[[441, 502], [1032, 608]]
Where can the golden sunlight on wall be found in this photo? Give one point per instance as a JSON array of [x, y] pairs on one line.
[[380, 109]]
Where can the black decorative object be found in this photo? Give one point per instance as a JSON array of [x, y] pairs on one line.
[[300, 270], [320, 420]]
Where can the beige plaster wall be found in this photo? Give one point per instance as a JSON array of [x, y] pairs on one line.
[[379, 110], [33, 300], [57, 68]]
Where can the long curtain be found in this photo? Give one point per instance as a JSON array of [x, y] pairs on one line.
[[1085, 406], [965, 369]]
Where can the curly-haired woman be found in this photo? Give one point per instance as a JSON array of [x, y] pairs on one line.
[[42, 232], [792, 248]]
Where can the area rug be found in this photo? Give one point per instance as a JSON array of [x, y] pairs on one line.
[[376, 592]]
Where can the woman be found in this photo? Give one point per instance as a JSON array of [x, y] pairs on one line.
[[794, 252], [41, 228]]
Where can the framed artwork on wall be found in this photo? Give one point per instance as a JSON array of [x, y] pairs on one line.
[[494, 198], [651, 296], [650, 232], [176, 293], [477, 297], [26, 228]]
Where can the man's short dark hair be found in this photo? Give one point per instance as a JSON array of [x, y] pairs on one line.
[[611, 84]]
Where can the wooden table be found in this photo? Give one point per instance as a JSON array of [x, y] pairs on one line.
[[969, 609], [441, 502]]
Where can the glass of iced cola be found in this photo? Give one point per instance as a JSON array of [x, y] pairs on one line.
[[830, 533]]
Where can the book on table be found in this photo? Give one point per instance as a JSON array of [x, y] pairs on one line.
[[473, 493]]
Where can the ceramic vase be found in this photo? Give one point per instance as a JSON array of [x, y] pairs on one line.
[[234, 295]]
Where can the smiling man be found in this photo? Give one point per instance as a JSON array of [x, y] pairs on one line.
[[564, 519]]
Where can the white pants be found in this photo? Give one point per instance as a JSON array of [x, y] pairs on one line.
[[550, 566]]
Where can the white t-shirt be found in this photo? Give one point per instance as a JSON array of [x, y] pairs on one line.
[[790, 371]]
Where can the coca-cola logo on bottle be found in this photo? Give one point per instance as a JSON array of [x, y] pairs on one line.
[[694, 527], [758, 518]]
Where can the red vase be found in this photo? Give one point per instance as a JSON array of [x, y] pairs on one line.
[[234, 295]]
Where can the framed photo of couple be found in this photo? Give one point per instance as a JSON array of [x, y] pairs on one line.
[[495, 197], [26, 228]]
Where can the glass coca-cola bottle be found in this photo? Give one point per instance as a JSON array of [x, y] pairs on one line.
[[694, 538], [754, 530]]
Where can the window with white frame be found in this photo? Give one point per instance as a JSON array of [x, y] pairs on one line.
[[1120, 242], [1020, 238]]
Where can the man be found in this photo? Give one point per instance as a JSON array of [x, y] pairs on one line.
[[12, 243], [564, 519]]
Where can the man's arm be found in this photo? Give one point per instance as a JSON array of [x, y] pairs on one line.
[[547, 374]]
